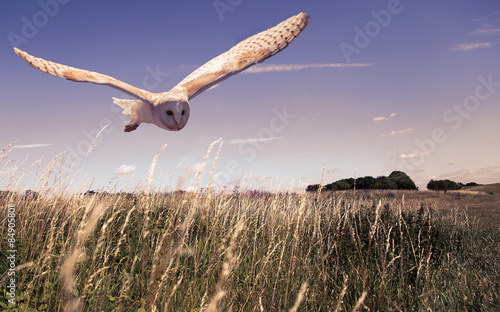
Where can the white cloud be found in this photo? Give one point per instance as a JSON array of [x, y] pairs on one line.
[[264, 68], [387, 147], [193, 169], [471, 46], [331, 171], [382, 118], [485, 175], [32, 145], [485, 31], [400, 132], [488, 16], [260, 179], [124, 170], [414, 155], [252, 140]]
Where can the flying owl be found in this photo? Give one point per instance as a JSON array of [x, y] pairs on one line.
[[170, 110]]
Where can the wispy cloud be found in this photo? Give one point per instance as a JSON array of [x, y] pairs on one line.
[[193, 169], [331, 171], [413, 155], [400, 132], [260, 179], [485, 31], [252, 140], [124, 170], [471, 46], [387, 147], [487, 16], [382, 118], [250, 181], [32, 145], [488, 174], [264, 68]]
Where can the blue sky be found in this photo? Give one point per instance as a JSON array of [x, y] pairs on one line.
[[368, 87]]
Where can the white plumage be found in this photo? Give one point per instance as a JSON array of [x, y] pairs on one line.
[[170, 110]]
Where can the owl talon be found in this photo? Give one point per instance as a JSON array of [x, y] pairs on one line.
[[131, 127]]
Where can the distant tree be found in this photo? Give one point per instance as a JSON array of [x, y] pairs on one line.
[[345, 184], [384, 183], [451, 185], [365, 183], [442, 185], [312, 188], [433, 185], [402, 181], [330, 187], [396, 180], [472, 184], [29, 194]]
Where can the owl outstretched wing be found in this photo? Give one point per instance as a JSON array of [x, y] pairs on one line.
[[81, 75], [248, 52]]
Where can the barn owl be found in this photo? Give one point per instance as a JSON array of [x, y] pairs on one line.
[[170, 110]]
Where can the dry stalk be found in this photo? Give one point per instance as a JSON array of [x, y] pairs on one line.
[[172, 293], [91, 148], [360, 301], [300, 297], [213, 166], [340, 301], [122, 232], [67, 270], [203, 163], [126, 284], [227, 267], [151, 171]]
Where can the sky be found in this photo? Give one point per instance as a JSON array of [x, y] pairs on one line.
[[367, 88]]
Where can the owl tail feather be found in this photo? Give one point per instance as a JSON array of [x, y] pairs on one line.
[[125, 104]]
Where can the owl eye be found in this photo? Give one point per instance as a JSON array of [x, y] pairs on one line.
[[170, 113]]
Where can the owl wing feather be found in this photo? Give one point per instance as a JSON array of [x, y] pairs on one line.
[[81, 75], [248, 52]]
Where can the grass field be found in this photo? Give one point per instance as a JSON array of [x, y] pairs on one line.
[[255, 251]]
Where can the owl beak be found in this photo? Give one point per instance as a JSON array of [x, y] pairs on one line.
[[177, 119]]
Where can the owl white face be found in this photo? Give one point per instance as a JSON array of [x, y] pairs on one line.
[[173, 115]]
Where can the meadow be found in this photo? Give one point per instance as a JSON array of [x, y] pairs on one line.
[[250, 250]]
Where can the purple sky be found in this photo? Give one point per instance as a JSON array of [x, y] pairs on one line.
[[369, 86]]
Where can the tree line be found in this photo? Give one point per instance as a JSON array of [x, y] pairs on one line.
[[397, 180], [447, 185]]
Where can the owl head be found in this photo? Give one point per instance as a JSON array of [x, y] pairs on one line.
[[173, 115]]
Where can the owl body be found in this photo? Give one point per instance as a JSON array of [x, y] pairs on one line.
[[171, 110]]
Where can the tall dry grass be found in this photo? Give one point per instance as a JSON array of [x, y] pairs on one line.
[[210, 251]]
